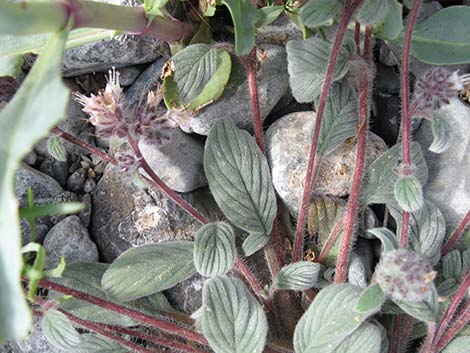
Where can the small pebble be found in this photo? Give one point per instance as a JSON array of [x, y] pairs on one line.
[[90, 173], [76, 180], [89, 185]]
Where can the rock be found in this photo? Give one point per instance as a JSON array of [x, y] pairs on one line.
[[117, 52], [56, 169], [76, 180], [35, 343], [125, 216], [273, 83], [85, 214], [42, 185], [179, 162], [288, 143], [128, 75], [30, 158], [70, 239], [186, 296], [448, 186], [278, 32], [387, 116], [89, 185], [26, 235], [65, 196], [361, 263]]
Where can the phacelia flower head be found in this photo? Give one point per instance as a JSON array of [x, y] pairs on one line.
[[404, 275], [436, 87]]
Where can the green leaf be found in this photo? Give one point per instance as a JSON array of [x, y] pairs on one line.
[[268, 14], [371, 300], [372, 11], [11, 65], [452, 265], [425, 310], [63, 208], [254, 242], [380, 176], [244, 16], [92, 343], [148, 269], [409, 193], [58, 270], [339, 120], [458, 345], [214, 249], [298, 276], [448, 287], [56, 149], [329, 320], [318, 13], [232, 320], [155, 7], [366, 339], [239, 178], [441, 132], [23, 122], [34, 273], [59, 331], [307, 64], [442, 39], [387, 237], [392, 25]]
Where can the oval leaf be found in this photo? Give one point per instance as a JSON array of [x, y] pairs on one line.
[[371, 299], [214, 249], [366, 339], [99, 344], [441, 132], [59, 330], [452, 265], [56, 149], [239, 178], [298, 276], [253, 243], [307, 65], [329, 320], [142, 271], [232, 320], [387, 237], [409, 193], [373, 11], [317, 13], [425, 310], [458, 345], [392, 25]]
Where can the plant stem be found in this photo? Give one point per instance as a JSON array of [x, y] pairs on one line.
[[346, 16], [457, 233], [31, 17], [331, 240], [462, 320], [428, 342], [357, 37], [405, 94]]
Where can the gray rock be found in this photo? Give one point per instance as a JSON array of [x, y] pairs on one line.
[[35, 343], [125, 216], [30, 158], [273, 83], [89, 185], [186, 296], [128, 75], [42, 185], [76, 180], [56, 169], [85, 214], [387, 116], [179, 162], [288, 144], [117, 52], [70, 239], [65, 196], [40, 233], [448, 186], [361, 263]]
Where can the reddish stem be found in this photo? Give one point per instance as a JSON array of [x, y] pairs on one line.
[[357, 37], [346, 16], [133, 314], [457, 233], [405, 93], [331, 240], [250, 278], [351, 214], [462, 320], [427, 346]]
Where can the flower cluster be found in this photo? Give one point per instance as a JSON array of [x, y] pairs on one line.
[[436, 87]]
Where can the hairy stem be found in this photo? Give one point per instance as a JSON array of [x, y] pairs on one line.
[[346, 16], [455, 236], [32, 17], [462, 319], [331, 240], [405, 111], [427, 346]]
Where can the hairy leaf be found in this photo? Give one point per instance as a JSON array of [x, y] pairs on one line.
[[254, 242], [239, 178], [317, 13], [214, 249], [458, 345], [392, 25], [268, 14], [307, 64], [447, 287], [59, 331], [232, 319], [371, 299], [298, 276], [372, 11], [387, 237], [56, 148], [425, 310], [142, 271], [441, 132], [366, 339], [339, 120], [409, 193], [92, 343], [329, 320], [23, 122], [452, 265]]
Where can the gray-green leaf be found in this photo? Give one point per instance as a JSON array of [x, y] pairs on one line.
[[371, 299], [307, 64], [268, 14], [145, 270], [452, 265], [458, 345], [339, 120], [23, 122], [239, 178], [366, 339], [253, 243], [56, 148], [214, 249], [92, 343], [441, 132], [372, 11], [59, 330], [425, 310], [317, 13], [387, 237], [408, 193], [392, 24], [298, 276], [232, 320], [329, 320]]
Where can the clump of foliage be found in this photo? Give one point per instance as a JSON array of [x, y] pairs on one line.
[[420, 281]]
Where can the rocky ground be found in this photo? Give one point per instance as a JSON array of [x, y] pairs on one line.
[[120, 214]]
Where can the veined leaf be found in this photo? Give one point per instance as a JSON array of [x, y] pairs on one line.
[[254, 242], [307, 64], [408, 193], [366, 339], [425, 310], [239, 178], [458, 345], [392, 25], [23, 122], [317, 13], [371, 299], [387, 237], [59, 331], [452, 265], [372, 11], [214, 249], [442, 136], [268, 14], [339, 120], [329, 320], [56, 148], [92, 343], [298, 276], [232, 319]]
